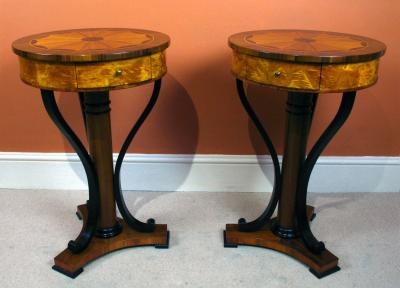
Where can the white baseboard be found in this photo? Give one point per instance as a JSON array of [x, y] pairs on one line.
[[227, 173]]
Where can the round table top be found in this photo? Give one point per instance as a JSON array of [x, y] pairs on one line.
[[90, 45], [307, 46]]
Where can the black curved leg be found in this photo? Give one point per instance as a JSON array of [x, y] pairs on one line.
[[303, 225], [83, 240], [266, 215], [290, 233], [82, 106], [129, 218], [314, 104]]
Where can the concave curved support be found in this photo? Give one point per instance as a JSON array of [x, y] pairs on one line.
[[343, 113], [89, 228], [123, 209], [82, 105], [314, 104], [266, 215]]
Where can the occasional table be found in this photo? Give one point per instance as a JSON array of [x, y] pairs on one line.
[[92, 62], [306, 64]]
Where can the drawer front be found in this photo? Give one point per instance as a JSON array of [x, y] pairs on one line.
[[119, 74], [289, 75]]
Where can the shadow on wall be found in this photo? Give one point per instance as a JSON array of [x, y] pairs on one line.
[[171, 126], [269, 105]]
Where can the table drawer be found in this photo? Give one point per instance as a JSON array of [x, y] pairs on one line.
[[121, 73], [93, 76], [296, 76]]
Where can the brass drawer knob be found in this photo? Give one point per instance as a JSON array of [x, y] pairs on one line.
[[118, 72], [277, 74]]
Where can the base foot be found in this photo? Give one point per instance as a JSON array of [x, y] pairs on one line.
[[72, 265], [324, 274], [164, 245], [321, 265], [228, 245], [72, 275]]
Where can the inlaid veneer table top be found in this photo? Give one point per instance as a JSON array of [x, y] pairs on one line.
[[92, 62], [305, 64], [305, 60]]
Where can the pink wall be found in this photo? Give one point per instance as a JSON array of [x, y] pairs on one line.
[[198, 110]]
